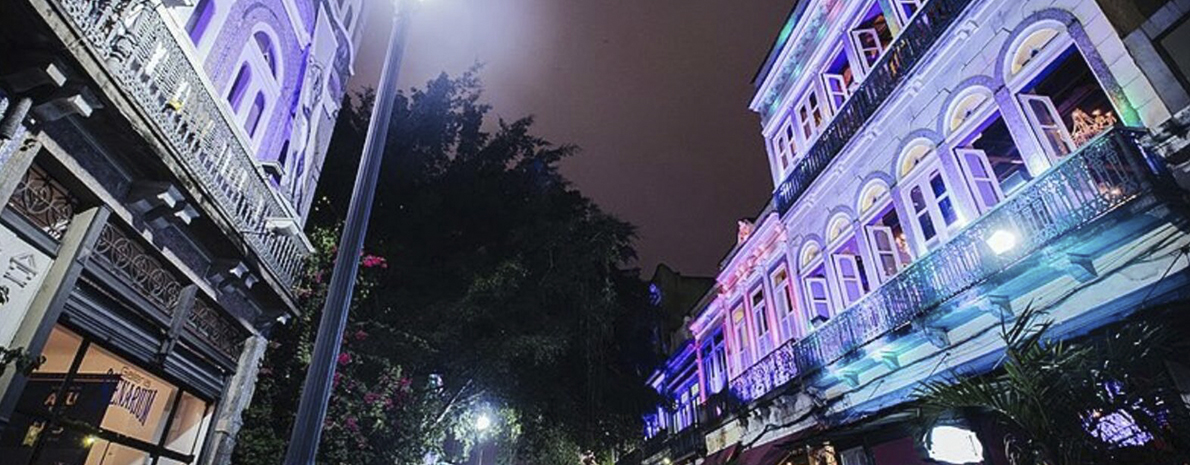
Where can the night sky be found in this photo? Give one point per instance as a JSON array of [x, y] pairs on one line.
[[655, 92]]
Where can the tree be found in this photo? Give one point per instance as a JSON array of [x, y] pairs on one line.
[[378, 414], [505, 288], [1104, 399]]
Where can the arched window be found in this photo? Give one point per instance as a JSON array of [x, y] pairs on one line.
[[870, 195], [927, 195], [239, 86], [839, 225], [810, 252], [200, 19], [883, 230], [966, 105], [916, 153], [1030, 47], [814, 282], [267, 51], [252, 122], [847, 260]]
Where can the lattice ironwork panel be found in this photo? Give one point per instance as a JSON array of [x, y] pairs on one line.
[[125, 256], [213, 327], [45, 202]]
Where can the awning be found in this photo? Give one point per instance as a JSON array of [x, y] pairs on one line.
[[723, 456], [770, 453], [773, 452]]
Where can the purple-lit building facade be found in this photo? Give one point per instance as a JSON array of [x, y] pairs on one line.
[[157, 163], [938, 166]]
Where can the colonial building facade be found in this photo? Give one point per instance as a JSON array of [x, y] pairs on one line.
[[157, 162], [938, 167]]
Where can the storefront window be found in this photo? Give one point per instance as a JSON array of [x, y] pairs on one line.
[[59, 352], [110, 453], [88, 406], [189, 425], [140, 403]]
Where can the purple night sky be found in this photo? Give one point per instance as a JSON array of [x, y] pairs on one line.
[[654, 91]]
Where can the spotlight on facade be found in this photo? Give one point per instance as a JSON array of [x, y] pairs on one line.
[[1002, 241], [286, 227], [89, 440], [483, 422], [954, 444]]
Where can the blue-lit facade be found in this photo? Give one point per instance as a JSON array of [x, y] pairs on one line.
[[938, 166]]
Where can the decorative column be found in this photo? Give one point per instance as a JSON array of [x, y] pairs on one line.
[[74, 252], [236, 398]]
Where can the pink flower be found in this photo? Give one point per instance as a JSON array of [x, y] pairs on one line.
[[371, 397], [344, 358], [360, 335], [352, 424], [372, 261]]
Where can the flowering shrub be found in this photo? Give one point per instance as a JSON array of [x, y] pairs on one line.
[[376, 414]]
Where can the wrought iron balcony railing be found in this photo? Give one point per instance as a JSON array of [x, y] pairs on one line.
[[1106, 173], [897, 62], [144, 57]]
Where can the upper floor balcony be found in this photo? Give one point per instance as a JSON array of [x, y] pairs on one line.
[[1105, 174], [141, 54], [884, 76]]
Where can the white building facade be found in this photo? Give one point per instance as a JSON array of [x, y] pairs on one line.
[[938, 167], [157, 163]]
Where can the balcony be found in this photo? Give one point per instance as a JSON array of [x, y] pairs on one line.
[[677, 446], [141, 54], [898, 61], [1107, 173]]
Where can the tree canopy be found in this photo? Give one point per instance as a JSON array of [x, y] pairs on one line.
[[503, 288]]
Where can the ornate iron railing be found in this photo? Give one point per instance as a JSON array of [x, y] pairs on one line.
[[897, 62], [210, 325], [124, 255], [44, 202], [145, 58], [1103, 175]]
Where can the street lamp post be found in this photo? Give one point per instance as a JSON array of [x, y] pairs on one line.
[[316, 390]]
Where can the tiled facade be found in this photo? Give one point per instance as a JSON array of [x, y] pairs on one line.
[[938, 167], [157, 162]]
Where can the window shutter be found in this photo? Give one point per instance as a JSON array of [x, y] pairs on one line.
[[980, 178]]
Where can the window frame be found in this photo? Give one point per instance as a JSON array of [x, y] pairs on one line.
[[785, 306], [920, 177], [760, 329], [807, 129], [158, 449]]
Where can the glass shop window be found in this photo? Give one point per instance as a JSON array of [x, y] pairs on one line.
[[991, 163], [871, 37], [86, 405], [140, 402], [1065, 105]]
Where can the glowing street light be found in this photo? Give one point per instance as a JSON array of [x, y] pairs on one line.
[[1002, 241], [953, 444], [483, 422]]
